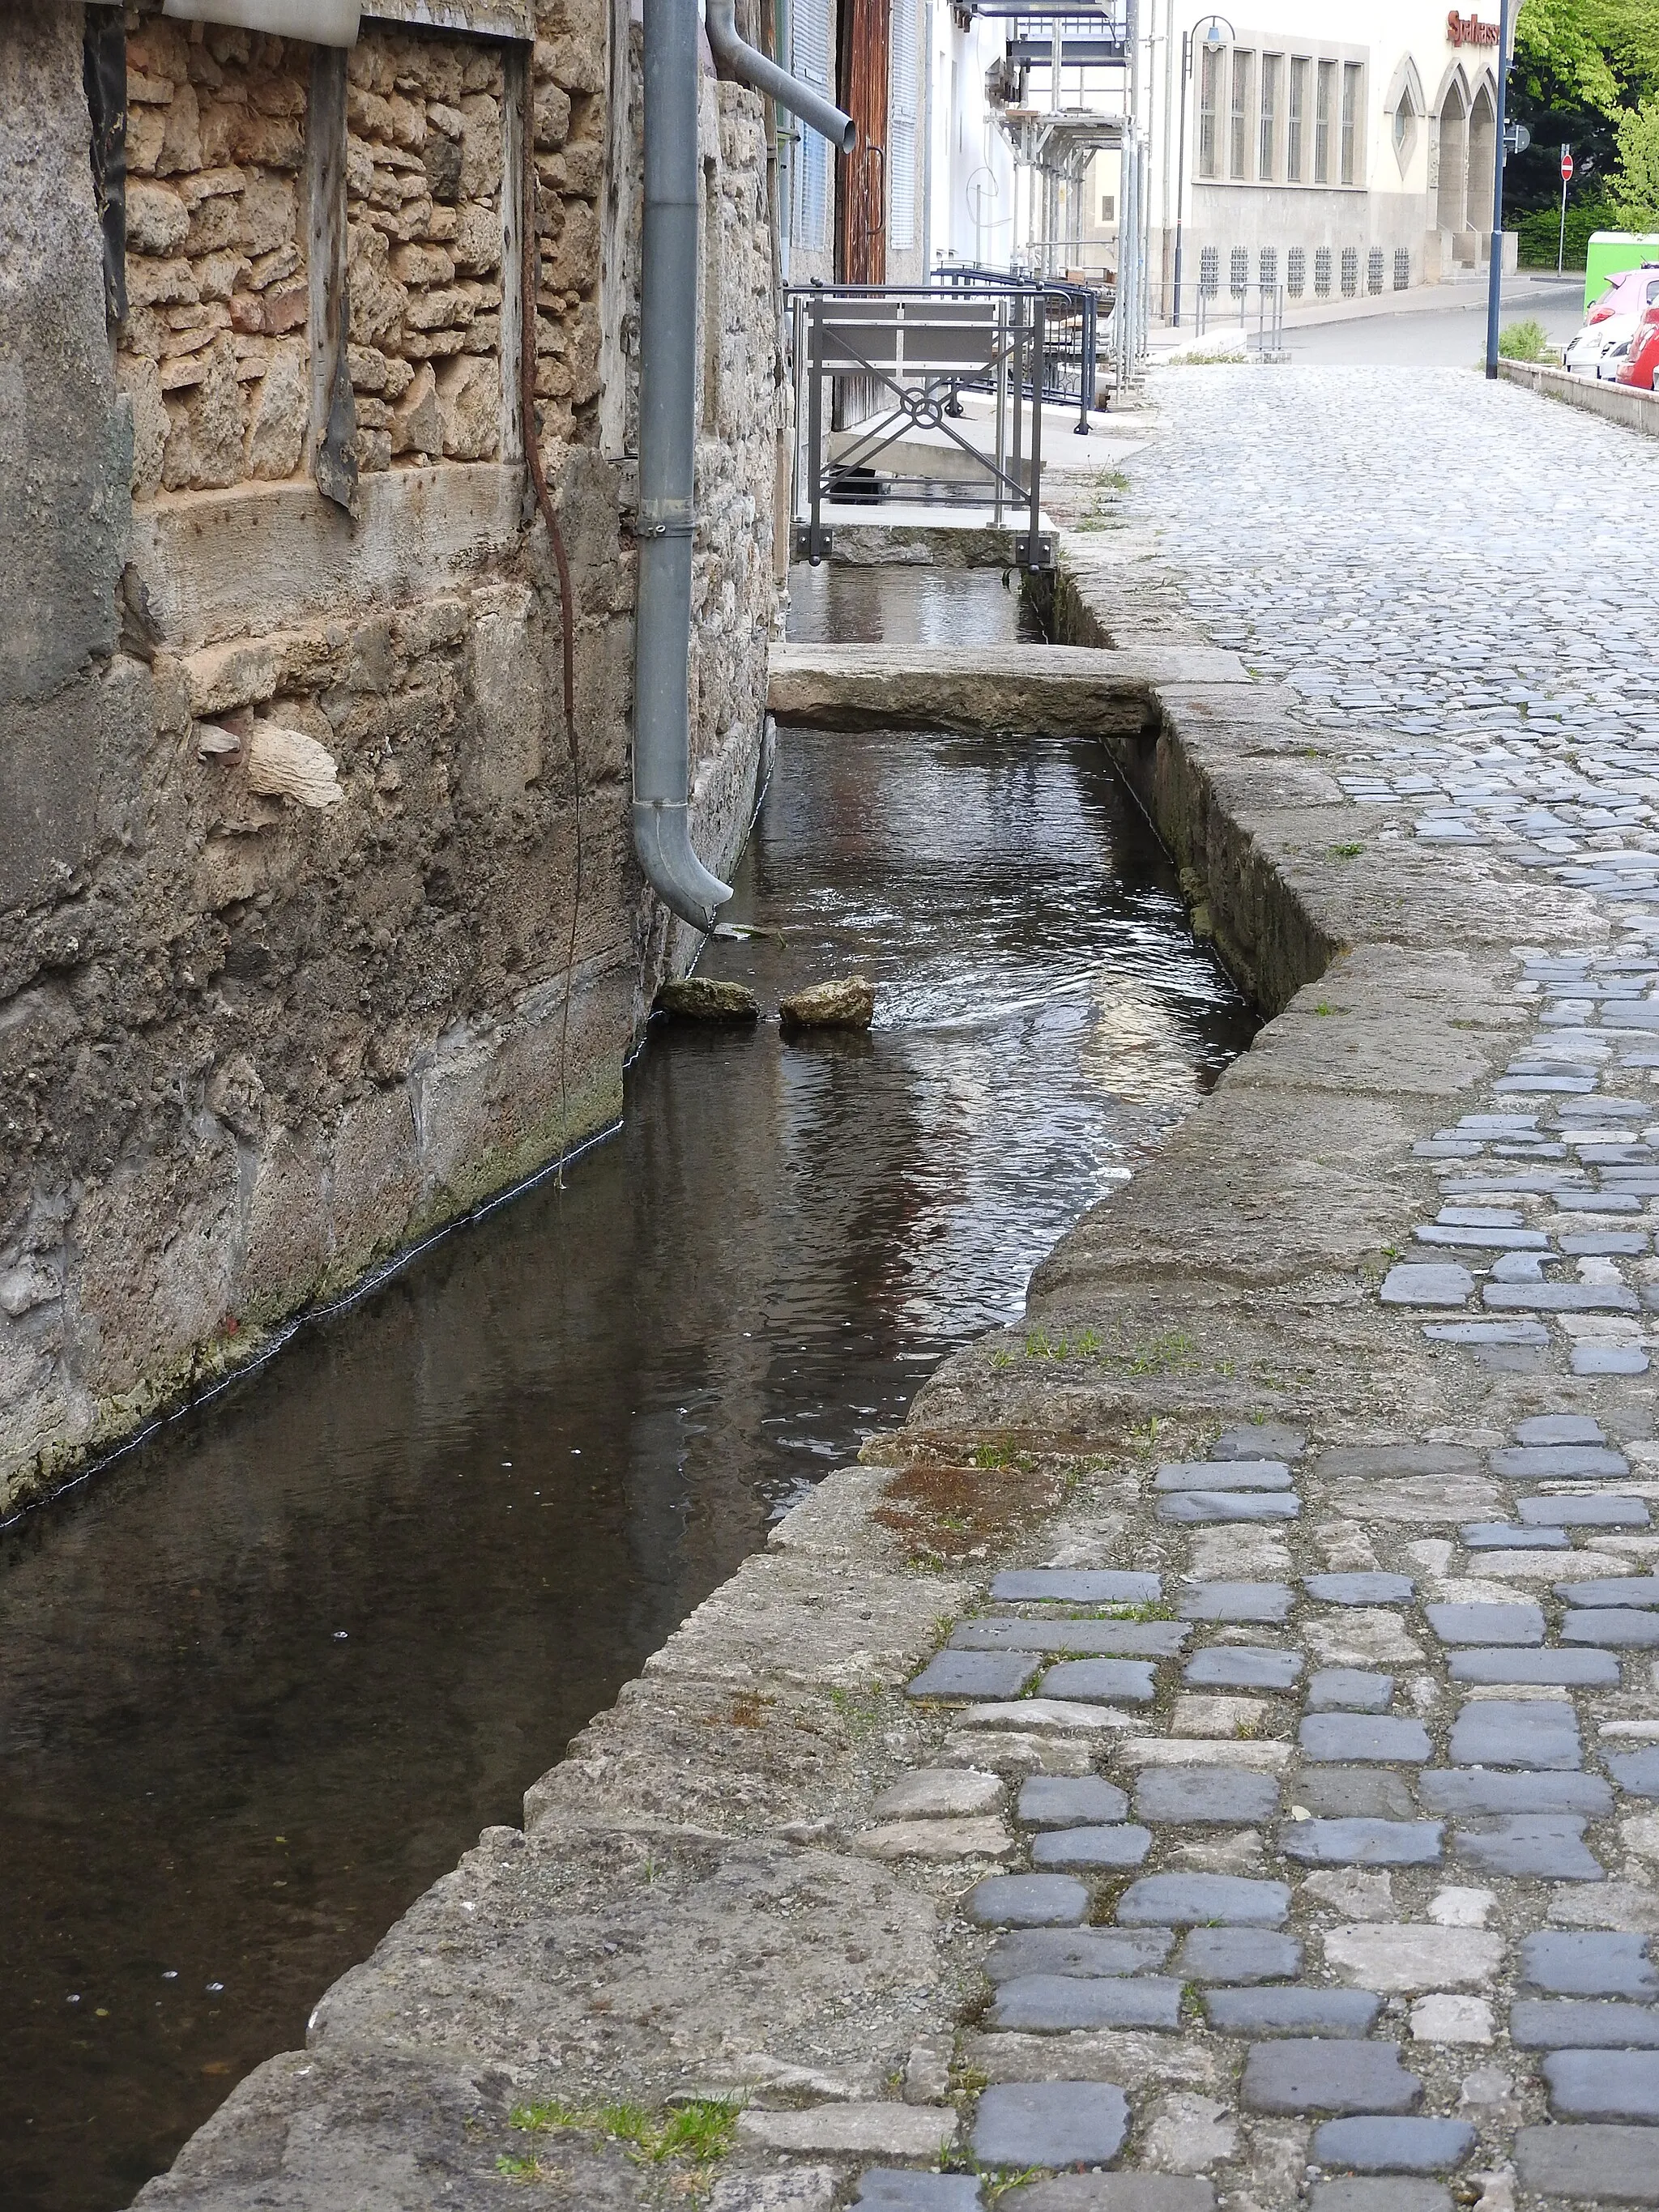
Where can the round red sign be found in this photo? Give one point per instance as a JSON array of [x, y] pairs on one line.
[[1566, 168]]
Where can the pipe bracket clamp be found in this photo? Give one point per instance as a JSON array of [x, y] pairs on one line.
[[682, 526]]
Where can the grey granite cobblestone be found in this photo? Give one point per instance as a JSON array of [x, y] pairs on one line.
[[1178, 1794], [1393, 2146], [1240, 1667], [1361, 1842], [1349, 1689], [1269, 2010], [1388, 1738], [1223, 1475], [1583, 2024], [1112, 1682], [1052, 2003], [1123, 1843], [1321, 2075], [1048, 1800], [1603, 2085], [1050, 2123], [1085, 1951]]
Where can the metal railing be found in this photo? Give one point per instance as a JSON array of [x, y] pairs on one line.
[[1071, 360], [1217, 311], [917, 347]]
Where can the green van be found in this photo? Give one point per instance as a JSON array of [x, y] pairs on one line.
[[1610, 251]]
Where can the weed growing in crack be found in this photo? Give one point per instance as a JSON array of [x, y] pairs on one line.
[[701, 2130], [521, 2169], [1039, 1344], [1174, 1351]]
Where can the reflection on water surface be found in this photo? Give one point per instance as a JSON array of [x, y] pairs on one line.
[[265, 1678]]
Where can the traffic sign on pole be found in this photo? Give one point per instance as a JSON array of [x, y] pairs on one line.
[[1566, 179]]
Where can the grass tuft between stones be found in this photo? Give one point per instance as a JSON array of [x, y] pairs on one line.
[[701, 2130]]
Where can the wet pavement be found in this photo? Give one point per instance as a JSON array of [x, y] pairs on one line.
[[267, 1677]]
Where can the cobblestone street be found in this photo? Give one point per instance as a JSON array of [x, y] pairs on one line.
[[1424, 1875], [1452, 565]]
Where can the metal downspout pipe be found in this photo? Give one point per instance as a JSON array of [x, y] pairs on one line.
[[668, 376], [751, 67]]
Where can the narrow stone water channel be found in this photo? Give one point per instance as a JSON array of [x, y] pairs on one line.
[[266, 1678]]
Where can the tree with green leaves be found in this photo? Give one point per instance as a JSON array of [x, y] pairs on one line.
[[1634, 185], [1585, 71]]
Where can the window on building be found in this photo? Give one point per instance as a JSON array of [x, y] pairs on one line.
[[1374, 269], [904, 77], [1209, 113], [1324, 94], [809, 35], [1323, 272], [1350, 272], [1293, 120], [1209, 272], [1267, 132], [1350, 123], [1295, 272], [1239, 148], [1267, 268], [1238, 272], [1109, 207], [1402, 269]]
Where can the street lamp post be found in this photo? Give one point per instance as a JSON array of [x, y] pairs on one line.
[[1212, 30], [1495, 272]]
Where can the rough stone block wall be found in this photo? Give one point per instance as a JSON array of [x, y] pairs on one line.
[[287, 847], [424, 167], [213, 349]]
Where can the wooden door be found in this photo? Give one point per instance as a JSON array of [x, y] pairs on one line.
[[865, 29]]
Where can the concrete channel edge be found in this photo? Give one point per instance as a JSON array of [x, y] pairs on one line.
[[741, 1885]]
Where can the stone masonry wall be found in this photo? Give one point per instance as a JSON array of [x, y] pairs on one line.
[[287, 847], [213, 352]]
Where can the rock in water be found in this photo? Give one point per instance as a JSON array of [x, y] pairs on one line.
[[701, 999], [848, 1003]]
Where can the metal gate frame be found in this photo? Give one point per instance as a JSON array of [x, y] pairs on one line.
[[1000, 344]]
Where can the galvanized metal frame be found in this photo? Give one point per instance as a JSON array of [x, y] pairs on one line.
[[1008, 323]]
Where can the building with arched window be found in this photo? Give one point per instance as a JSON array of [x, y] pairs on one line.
[[1337, 148], [1334, 146]]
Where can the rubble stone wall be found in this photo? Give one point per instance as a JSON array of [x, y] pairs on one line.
[[289, 845]]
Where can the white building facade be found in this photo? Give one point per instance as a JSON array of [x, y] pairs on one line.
[[1335, 148]]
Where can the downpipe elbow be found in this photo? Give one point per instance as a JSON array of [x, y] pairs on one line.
[[662, 839], [751, 67]]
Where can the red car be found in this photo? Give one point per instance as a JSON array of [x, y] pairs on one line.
[[1639, 364]]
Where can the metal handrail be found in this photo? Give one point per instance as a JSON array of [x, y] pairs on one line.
[[1004, 351], [1079, 300], [1269, 336]]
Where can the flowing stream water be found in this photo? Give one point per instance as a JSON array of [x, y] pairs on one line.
[[264, 1679]]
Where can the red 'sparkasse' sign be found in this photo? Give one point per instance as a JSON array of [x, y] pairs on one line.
[[1470, 31]]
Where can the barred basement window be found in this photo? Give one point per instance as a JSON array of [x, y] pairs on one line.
[[1295, 272], [1209, 272], [1267, 268], [1374, 269], [1402, 269], [1323, 272], [1350, 271], [1238, 276]]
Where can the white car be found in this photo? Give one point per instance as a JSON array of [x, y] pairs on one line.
[[1601, 348]]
